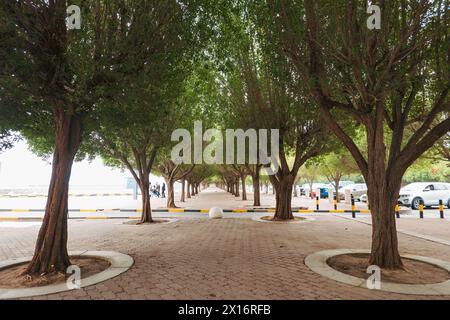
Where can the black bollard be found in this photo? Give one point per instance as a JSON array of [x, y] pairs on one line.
[[441, 209], [421, 209], [353, 208]]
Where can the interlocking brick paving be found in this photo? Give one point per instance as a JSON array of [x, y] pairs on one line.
[[231, 258]]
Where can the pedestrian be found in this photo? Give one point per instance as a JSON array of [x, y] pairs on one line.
[[163, 190]]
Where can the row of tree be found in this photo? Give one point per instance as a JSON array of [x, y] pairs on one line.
[[313, 67], [137, 70], [115, 88]]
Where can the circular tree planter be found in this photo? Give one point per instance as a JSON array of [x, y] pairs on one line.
[[157, 221], [317, 262], [119, 263], [298, 219]]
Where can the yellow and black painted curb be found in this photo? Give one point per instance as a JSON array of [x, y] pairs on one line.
[[182, 210], [42, 195], [161, 210]]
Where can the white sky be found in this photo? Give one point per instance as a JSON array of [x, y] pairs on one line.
[[20, 168]]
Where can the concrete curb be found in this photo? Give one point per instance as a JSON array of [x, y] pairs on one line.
[[178, 210], [306, 219], [42, 195], [317, 262], [119, 264]]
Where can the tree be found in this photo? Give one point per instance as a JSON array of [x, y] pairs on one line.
[[49, 74], [384, 80], [260, 89], [198, 175], [254, 170], [310, 172], [441, 150], [172, 172], [336, 165], [7, 139], [142, 105]]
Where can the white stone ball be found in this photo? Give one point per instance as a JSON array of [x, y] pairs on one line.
[[215, 213]]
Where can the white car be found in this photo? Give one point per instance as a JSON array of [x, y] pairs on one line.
[[428, 192]]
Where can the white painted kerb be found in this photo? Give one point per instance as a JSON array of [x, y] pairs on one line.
[[119, 264]]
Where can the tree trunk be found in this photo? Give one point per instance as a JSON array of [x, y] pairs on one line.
[[283, 210], [236, 186], [311, 190], [244, 191], [170, 193], [50, 253], [384, 251], [256, 190], [295, 190], [146, 216], [336, 187], [188, 190], [183, 190]]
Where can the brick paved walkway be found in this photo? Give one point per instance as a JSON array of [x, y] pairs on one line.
[[197, 258]]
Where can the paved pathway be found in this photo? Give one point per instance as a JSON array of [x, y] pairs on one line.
[[231, 258]]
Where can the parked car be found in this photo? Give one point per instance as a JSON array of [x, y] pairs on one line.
[[363, 198], [305, 189], [356, 189], [428, 192], [342, 183]]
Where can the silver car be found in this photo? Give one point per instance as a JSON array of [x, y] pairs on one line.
[[356, 189]]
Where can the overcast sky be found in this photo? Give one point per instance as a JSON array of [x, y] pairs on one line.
[[20, 168]]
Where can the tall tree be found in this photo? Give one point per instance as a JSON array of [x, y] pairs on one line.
[[50, 72], [383, 80], [139, 107], [262, 94]]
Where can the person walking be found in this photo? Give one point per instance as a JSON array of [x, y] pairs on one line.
[[163, 190]]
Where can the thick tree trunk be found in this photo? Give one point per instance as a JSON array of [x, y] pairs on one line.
[[295, 190], [183, 190], [383, 189], [50, 253], [283, 210], [146, 216], [256, 190], [236, 186], [244, 191], [192, 190], [384, 251], [170, 193]]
